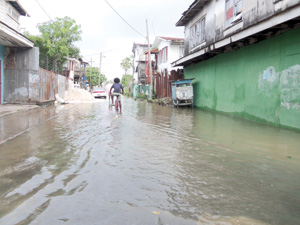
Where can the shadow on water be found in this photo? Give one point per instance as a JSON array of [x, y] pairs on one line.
[[81, 164]]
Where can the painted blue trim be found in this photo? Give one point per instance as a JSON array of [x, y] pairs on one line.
[[2, 72], [184, 81]]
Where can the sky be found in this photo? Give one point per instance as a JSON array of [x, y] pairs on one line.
[[104, 31]]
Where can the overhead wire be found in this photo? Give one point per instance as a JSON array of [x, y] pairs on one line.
[[44, 11], [124, 20], [59, 28]]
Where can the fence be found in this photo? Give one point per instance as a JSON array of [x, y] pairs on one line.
[[33, 88], [50, 64], [163, 83]]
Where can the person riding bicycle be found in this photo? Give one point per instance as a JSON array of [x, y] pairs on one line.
[[118, 90]]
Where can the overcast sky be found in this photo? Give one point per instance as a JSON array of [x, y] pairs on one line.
[[104, 31]]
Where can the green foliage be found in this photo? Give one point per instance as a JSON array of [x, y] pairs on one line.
[[92, 75], [57, 39], [127, 63], [142, 96], [154, 95], [126, 81]]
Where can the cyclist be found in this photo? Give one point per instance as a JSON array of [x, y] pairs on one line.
[[118, 90]]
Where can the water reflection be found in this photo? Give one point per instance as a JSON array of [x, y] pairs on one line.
[[153, 165]]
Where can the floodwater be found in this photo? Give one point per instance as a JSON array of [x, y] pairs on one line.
[[82, 164]]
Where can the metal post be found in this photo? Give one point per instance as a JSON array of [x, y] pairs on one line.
[[100, 68], [149, 60], [91, 74]]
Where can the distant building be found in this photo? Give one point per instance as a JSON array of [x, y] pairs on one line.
[[138, 51], [245, 58], [166, 51]]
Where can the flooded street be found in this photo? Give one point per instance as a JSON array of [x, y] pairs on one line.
[[82, 164]]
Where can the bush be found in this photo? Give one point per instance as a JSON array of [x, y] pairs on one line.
[[128, 94], [142, 96]]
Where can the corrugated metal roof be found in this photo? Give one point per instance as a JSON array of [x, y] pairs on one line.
[[171, 38], [159, 39], [194, 8]]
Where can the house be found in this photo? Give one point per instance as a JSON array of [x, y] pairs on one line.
[[11, 40], [72, 71], [138, 73], [245, 58], [75, 71], [22, 79], [166, 51]]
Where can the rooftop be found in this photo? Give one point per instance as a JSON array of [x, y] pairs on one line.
[[194, 8]]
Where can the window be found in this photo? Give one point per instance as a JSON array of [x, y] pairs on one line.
[[197, 33], [237, 7], [162, 56], [13, 14], [233, 9], [159, 58], [165, 54], [181, 51]]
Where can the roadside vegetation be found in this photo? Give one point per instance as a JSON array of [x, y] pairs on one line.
[[92, 75], [56, 42], [127, 79]]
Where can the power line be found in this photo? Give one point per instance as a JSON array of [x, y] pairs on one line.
[[100, 52], [59, 28], [44, 11], [125, 20]]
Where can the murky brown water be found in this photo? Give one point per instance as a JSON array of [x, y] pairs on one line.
[[80, 164]]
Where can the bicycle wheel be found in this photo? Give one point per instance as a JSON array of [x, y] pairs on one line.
[[117, 107], [117, 104]]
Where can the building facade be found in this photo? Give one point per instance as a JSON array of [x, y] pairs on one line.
[[245, 58], [11, 39], [166, 51], [138, 67]]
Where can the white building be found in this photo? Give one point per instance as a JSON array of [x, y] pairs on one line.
[[168, 50]]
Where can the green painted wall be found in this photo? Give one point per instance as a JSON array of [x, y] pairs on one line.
[[260, 82]]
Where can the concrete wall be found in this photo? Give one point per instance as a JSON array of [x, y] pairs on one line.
[[25, 82], [20, 65], [61, 85], [1, 72], [260, 82]]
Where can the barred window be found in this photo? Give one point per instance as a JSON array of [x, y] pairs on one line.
[[197, 33]]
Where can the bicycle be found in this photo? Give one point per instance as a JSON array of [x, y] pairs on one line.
[[118, 104]]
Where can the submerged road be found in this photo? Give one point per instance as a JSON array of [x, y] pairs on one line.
[[82, 164]]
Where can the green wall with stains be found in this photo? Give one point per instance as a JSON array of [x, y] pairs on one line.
[[260, 82]]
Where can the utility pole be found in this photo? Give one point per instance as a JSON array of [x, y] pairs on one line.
[[91, 73], [100, 68], [149, 60]]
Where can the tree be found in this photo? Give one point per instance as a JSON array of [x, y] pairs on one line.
[[127, 63], [57, 40], [92, 75], [127, 81]]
